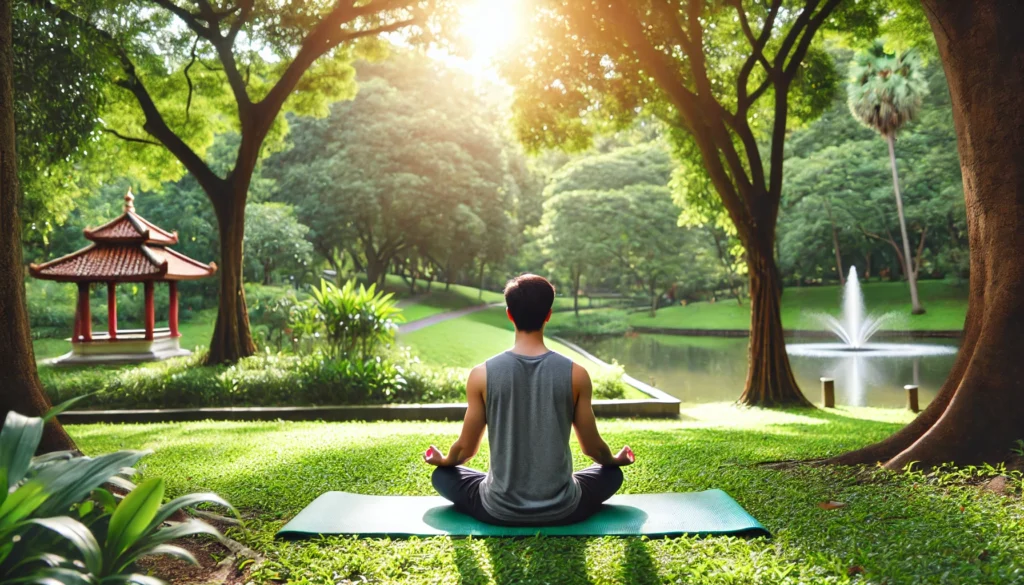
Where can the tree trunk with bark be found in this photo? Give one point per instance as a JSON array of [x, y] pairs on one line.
[[232, 337], [770, 380], [835, 245], [915, 301], [979, 412], [21, 390]]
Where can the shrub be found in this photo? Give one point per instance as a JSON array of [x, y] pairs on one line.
[[356, 322], [608, 384], [59, 524], [602, 322], [267, 379]]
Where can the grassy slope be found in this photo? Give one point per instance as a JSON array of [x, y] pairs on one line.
[[438, 300], [469, 340], [945, 303], [896, 529]]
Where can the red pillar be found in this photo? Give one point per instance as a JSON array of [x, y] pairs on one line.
[[172, 309], [150, 313], [112, 310], [84, 332]]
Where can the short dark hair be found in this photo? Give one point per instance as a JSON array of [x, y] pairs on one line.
[[529, 298]]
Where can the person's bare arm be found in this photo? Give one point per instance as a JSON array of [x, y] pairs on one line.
[[468, 443], [585, 424]]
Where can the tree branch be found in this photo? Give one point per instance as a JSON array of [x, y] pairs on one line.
[[187, 17], [154, 124], [130, 138]]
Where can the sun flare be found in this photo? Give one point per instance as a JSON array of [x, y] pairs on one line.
[[490, 27]]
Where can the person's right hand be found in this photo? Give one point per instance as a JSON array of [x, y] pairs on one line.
[[625, 457]]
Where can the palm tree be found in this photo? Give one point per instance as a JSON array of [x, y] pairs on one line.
[[885, 92]]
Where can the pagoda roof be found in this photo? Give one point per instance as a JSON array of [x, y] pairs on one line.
[[129, 227], [128, 249]]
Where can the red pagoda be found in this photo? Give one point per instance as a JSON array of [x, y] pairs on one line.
[[127, 249]]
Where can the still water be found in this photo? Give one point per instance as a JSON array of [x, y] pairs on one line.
[[714, 369]]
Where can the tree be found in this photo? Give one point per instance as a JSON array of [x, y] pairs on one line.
[[706, 70], [979, 412], [885, 94], [22, 390], [275, 240], [270, 57], [577, 236], [407, 171]]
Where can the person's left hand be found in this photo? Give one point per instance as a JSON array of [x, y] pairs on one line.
[[434, 456]]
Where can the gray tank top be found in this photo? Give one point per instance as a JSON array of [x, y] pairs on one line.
[[529, 415]]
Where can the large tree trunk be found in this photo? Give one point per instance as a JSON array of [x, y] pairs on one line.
[[770, 380], [979, 412], [232, 338], [908, 269], [20, 389]]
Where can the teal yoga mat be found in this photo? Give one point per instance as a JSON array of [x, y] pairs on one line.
[[710, 512]]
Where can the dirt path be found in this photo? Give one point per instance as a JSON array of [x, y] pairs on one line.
[[438, 318]]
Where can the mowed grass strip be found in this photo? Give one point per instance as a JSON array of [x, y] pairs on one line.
[[945, 304], [893, 528]]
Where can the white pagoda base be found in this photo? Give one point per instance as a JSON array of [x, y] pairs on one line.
[[130, 347]]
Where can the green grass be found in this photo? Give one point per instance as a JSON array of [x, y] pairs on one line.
[[945, 303], [195, 334], [438, 300], [896, 528], [470, 340]]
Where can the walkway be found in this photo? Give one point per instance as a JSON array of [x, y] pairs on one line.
[[438, 318]]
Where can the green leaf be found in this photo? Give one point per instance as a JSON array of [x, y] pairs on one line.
[[162, 536], [168, 509], [132, 517], [18, 505], [80, 476], [56, 410], [136, 578], [19, 440], [173, 551], [53, 576], [79, 536], [105, 499]]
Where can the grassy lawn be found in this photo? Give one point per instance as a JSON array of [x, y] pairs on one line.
[[438, 300], [946, 306], [893, 529], [195, 333], [469, 340]]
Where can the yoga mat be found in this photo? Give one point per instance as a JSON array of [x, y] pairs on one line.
[[710, 512]]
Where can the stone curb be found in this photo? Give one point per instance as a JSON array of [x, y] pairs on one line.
[[384, 412]]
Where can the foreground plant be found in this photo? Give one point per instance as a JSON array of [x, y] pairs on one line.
[[59, 522]]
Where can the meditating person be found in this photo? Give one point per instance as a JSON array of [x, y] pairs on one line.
[[527, 398]]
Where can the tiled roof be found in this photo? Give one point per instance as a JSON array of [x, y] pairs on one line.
[[111, 262], [129, 227]]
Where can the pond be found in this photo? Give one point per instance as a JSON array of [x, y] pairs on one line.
[[714, 369]]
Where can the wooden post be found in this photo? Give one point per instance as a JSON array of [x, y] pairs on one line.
[[84, 317], [828, 393], [172, 309], [112, 310], [912, 403], [150, 316]]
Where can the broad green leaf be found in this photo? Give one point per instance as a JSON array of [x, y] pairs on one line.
[[79, 536], [18, 505], [173, 551], [168, 509], [162, 536], [132, 516], [106, 499], [18, 442], [53, 576], [136, 578], [82, 475]]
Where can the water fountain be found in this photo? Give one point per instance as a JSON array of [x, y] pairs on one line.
[[856, 326]]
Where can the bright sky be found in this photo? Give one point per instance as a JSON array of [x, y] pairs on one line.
[[491, 27]]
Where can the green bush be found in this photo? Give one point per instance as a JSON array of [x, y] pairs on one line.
[[600, 322], [608, 384], [268, 379], [355, 322], [59, 523]]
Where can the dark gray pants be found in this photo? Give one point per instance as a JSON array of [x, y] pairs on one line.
[[461, 486]]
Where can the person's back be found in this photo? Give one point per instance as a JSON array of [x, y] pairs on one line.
[[527, 399], [529, 408]]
